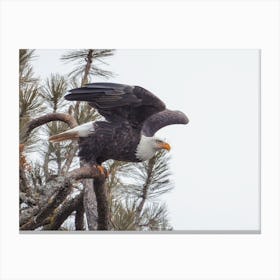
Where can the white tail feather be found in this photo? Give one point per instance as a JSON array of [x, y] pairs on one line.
[[75, 133]]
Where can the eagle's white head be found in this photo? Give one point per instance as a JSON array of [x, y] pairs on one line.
[[148, 146]]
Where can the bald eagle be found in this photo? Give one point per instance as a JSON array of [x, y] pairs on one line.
[[132, 116]]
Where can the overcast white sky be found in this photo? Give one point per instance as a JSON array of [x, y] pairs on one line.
[[215, 158]]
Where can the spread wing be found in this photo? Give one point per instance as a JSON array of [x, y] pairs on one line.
[[162, 119], [119, 102]]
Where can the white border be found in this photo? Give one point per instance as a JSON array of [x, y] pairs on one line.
[[157, 24]]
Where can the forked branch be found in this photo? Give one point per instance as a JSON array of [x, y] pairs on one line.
[[57, 210]]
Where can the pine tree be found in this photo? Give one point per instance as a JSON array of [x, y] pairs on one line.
[[49, 198]]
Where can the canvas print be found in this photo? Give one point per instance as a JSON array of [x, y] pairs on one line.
[[150, 141]]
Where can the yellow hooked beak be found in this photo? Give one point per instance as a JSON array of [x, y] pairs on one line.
[[165, 146]]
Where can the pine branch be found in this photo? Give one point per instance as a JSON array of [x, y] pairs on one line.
[[25, 69], [145, 189], [53, 92], [85, 63], [87, 67]]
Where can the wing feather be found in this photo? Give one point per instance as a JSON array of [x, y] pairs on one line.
[[162, 119], [118, 101]]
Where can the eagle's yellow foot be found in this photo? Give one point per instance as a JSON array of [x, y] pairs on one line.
[[102, 170]]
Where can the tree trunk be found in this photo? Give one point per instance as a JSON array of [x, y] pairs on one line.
[[90, 204], [101, 194], [79, 216]]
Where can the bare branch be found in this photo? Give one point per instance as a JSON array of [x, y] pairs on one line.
[[26, 214], [25, 199], [61, 214], [49, 118], [54, 201], [87, 171]]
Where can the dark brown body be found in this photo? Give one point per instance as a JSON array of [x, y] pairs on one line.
[[116, 141], [130, 111]]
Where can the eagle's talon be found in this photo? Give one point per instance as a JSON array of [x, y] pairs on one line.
[[102, 171]]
